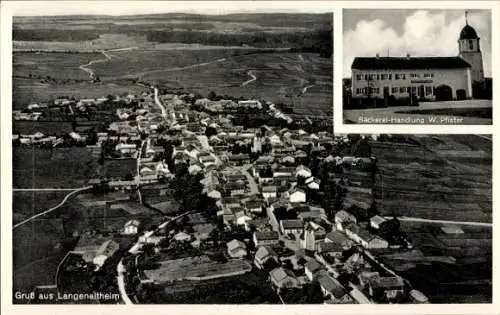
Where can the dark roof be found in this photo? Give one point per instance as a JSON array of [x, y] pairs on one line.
[[468, 32], [313, 266], [331, 285], [271, 235], [375, 63], [292, 224]]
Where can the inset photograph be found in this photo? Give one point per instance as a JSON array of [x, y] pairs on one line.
[[405, 66]]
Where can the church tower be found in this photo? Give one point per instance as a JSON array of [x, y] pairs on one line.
[[469, 49]]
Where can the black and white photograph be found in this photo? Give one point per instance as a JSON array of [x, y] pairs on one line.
[[417, 66], [184, 154]]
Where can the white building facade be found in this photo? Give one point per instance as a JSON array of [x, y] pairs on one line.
[[429, 78]]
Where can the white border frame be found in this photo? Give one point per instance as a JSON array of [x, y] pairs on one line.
[[6, 175]]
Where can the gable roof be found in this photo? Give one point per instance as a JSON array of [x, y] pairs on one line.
[[292, 224], [234, 244], [313, 266], [379, 63], [271, 235], [264, 251], [331, 285]]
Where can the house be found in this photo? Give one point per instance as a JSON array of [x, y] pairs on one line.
[[386, 287], [291, 226], [254, 206], [131, 227], [238, 159], [364, 237], [284, 172], [331, 249], [269, 191], [311, 268], [312, 183], [338, 238], [236, 249], [125, 148], [283, 278], [343, 218], [296, 195], [265, 238], [332, 289], [376, 221], [107, 250], [265, 255], [182, 237], [151, 239], [242, 219], [303, 171], [235, 188]]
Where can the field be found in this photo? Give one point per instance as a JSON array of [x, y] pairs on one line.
[[280, 78], [63, 168], [302, 80], [440, 179], [249, 288], [468, 280]]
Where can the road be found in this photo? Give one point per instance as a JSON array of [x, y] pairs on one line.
[[74, 192], [164, 113], [412, 219], [120, 268], [250, 73], [254, 190], [46, 189]]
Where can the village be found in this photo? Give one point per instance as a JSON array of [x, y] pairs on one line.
[[286, 200]]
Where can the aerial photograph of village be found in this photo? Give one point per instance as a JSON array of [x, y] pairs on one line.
[[189, 158]]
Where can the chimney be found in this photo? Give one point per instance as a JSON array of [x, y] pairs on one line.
[[377, 56], [407, 56]]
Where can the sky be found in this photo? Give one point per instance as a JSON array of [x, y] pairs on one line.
[[38, 8], [397, 32]]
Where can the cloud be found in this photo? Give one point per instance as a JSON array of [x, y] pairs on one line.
[[423, 33]]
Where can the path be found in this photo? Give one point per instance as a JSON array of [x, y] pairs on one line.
[[250, 73], [74, 192], [201, 64], [46, 189], [412, 219], [108, 57], [120, 268], [304, 90]]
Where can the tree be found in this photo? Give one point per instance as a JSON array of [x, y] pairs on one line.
[[212, 96], [314, 293]]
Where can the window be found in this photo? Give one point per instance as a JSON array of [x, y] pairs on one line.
[[471, 44], [396, 76], [378, 77], [403, 76], [428, 90], [366, 77], [376, 90], [394, 90], [358, 77], [390, 76], [414, 75], [413, 90], [402, 89]]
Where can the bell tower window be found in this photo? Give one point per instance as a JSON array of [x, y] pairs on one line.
[[471, 44]]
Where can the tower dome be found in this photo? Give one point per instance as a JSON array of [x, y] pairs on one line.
[[468, 32]]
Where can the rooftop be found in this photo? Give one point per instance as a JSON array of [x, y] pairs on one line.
[[403, 63]]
